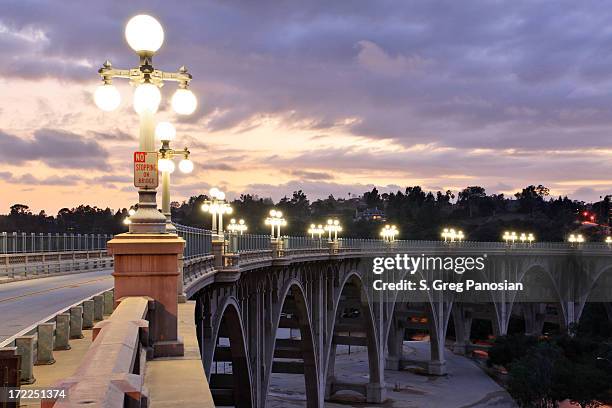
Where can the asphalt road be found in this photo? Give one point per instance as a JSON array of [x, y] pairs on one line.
[[23, 303]]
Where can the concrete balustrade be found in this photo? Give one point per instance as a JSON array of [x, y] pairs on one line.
[[35, 345], [109, 302], [27, 350], [76, 322], [98, 307], [45, 343], [88, 314], [112, 371], [34, 265], [62, 331]]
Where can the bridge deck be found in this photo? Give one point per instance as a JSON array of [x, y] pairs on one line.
[[23, 303]]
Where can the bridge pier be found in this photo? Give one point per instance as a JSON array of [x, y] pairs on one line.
[[462, 321], [147, 265], [534, 315]]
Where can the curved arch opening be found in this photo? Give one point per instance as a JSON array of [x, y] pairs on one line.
[[230, 380], [353, 359], [293, 355]]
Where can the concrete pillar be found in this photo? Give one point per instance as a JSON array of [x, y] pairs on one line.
[[462, 321], [147, 265], [395, 345], [98, 308], [62, 331], [109, 302], [437, 335], [88, 314], [218, 250], [26, 349], [534, 315], [76, 322], [45, 343]]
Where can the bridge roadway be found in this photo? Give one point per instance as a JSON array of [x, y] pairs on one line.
[[26, 302]]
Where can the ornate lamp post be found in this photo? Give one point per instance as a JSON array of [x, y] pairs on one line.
[[333, 226], [217, 206], [316, 230], [145, 36], [165, 132], [237, 227], [576, 239], [452, 235], [510, 237], [275, 220], [389, 232]]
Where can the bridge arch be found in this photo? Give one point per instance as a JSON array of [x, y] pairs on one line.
[[233, 389], [294, 356], [352, 290]]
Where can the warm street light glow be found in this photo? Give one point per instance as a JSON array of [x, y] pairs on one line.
[[576, 238], [452, 235], [131, 211], [512, 236], [389, 232], [144, 34], [186, 166], [165, 131], [239, 226], [608, 240], [146, 98], [333, 226], [184, 102], [316, 230], [166, 165], [275, 220], [127, 221], [107, 97], [217, 207]]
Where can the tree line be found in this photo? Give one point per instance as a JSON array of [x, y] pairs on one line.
[[417, 214]]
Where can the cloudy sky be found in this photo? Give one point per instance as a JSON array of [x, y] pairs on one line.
[[326, 96]]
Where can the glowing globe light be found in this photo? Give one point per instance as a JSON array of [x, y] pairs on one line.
[[166, 165], [186, 166], [107, 97], [144, 34], [146, 98], [165, 131], [184, 102]]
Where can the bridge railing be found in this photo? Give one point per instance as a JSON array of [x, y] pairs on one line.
[[247, 243], [22, 242], [198, 241]]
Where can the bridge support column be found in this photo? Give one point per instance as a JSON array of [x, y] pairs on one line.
[[147, 265], [462, 320], [534, 315], [395, 345]]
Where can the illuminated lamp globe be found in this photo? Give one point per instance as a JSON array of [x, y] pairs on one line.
[[107, 97], [186, 166], [144, 34], [165, 131], [184, 102], [146, 98], [213, 192], [221, 195], [131, 212], [166, 165]]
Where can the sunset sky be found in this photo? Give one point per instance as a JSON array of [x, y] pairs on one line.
[[331, 97]]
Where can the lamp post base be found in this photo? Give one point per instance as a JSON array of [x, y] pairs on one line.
[[147, 219]]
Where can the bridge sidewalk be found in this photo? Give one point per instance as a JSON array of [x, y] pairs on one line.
[[180, 381]]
